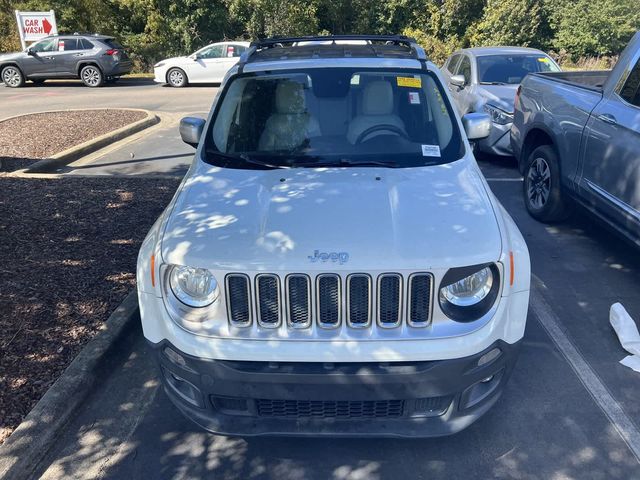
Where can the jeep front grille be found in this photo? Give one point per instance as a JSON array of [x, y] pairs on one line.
[[268, 293], [358, 300], [299, 300], [389, 300], [238, 301], [304, 301], [329, 300], [419, 299]]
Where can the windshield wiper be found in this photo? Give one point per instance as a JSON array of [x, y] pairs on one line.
[[245, 158], [345, 162], [495, 83]]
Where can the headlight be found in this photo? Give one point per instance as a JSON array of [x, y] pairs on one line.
[[468, 293], [158, 65], [497, 115], [195, 287]]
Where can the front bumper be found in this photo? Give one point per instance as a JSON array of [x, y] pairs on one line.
[[498, 142], [408, 399]]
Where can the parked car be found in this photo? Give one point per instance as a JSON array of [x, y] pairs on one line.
[[208, 65], [485, 80], [334, 262], [577, 137], [94, 59]]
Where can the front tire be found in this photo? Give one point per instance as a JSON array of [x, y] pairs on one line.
[[92, 76], [177, 78], [542, 190], [12, 77]]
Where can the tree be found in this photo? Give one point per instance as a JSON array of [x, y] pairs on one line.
[[587, 27], [510, 22]]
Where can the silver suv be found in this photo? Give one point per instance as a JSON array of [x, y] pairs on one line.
[[95, 59]]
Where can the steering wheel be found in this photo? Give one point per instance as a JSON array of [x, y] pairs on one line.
[[382, 127]]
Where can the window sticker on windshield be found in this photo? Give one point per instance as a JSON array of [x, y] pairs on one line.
[[430, 151], [411, 82], [414, 98]]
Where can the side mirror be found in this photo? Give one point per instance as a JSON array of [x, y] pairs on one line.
[[476, 125], [31, 51], [191, 129], [194, 57], [458, 81]]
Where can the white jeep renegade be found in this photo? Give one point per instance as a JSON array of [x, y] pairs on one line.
[[334, 262]]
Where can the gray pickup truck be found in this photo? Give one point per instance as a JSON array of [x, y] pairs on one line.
[[576, 136]]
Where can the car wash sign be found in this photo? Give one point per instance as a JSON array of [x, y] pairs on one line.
[[35, 25]]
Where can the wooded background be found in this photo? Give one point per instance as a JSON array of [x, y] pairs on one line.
[[578, 32]]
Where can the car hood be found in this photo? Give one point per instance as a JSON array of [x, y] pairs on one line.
[[406, 218], [176, 60], [501, 96]]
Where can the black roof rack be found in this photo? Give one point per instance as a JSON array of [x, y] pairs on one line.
[[257, 45]]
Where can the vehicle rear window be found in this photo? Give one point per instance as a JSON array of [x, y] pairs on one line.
[[113, 43], [511, 69], [334, 117]]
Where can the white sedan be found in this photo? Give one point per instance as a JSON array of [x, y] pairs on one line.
[[207, 65]]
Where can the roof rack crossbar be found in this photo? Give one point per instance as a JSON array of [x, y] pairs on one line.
[[258, 45]]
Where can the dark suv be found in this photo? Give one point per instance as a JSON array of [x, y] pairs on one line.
[[95, 59]]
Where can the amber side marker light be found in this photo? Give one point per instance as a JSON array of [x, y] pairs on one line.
[[511, 269], [153, 270]]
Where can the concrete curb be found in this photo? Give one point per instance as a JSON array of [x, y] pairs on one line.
[[65, 157], [30, 442]]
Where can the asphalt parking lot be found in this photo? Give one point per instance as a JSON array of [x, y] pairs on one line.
[[570, 411]]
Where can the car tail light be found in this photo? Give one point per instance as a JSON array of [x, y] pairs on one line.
[[111, 51]]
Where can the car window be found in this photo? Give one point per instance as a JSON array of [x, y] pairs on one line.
[[84, 44], [215, 51], [511, 69], [65, 44], [46, 45], [113, 43], [631, 89], [451, 63], [333, 117], [235, 50], [465, 69]]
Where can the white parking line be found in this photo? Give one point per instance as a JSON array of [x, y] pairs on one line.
[[600, 393]]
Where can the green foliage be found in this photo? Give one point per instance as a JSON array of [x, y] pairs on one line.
[[509, 22], [155, 29], [588, 27]]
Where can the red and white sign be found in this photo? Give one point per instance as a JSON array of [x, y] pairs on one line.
[[35, 25]]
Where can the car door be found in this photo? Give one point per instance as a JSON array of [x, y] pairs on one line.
[[611, 155], [206, 65], [69, 50], [42, 61], [462, 95]]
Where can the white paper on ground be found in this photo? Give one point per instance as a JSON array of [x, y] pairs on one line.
[[632, 361], [628, 335]]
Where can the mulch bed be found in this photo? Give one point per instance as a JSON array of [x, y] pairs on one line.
[[27, 139], [68, 252]]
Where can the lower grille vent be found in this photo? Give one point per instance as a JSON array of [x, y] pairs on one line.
[[330, 409]]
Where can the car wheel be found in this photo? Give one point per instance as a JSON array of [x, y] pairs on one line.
[[92, 76], [543, 195], [12, 77], [177, 78]]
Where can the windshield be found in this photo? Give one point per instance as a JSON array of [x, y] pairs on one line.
[[333, 117], [511, 69]]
